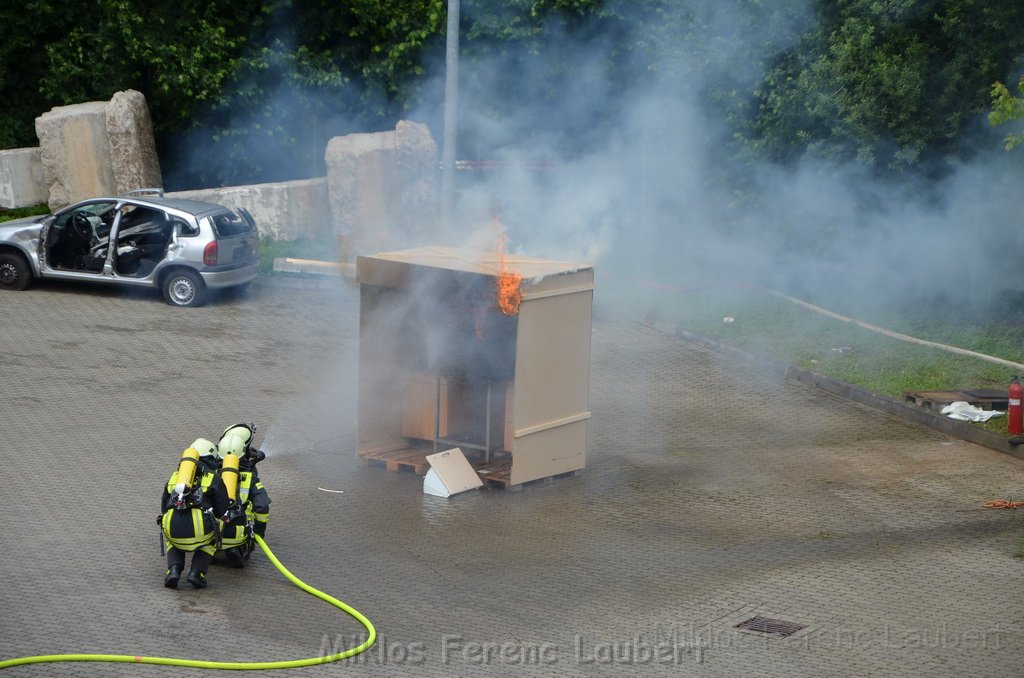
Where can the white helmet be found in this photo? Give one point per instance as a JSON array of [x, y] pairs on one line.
[[204, 447], [232, 444]]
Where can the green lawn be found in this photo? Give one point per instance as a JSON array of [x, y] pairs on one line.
[[764, 324], [7, 215]]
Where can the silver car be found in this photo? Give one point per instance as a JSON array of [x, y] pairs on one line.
[[182, 247]]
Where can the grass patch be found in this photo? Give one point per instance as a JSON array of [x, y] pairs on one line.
[[776, 328], [38, 210]]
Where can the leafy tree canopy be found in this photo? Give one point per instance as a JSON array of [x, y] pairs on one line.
[[1006, 108], [251, 91]]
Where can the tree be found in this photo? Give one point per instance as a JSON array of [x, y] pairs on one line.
[[28, 28], [1007, 108], [895, 85]]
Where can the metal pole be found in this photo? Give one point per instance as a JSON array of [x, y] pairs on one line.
[[487, 427], [437, 410], [451, 103]]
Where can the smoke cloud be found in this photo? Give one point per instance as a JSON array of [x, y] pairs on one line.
[[650, 188], [629, 163]]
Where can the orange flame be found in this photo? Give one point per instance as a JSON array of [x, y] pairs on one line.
[[509, 292]]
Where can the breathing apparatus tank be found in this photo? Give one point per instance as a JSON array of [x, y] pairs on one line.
[[229, 474], [186, 471]]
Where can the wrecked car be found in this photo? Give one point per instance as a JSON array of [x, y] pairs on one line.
[[143, 239]]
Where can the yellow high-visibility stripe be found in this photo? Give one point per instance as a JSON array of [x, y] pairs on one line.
[[200, 537]]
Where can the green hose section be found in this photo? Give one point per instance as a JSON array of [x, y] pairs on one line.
[[200, 664]]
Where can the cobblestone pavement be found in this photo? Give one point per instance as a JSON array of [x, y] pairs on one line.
[[713, 494]]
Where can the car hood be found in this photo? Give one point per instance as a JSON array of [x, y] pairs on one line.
[[21, 231]]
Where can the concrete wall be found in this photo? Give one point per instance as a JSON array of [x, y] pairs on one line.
[[287, 210], [380, 192], [21, 178]]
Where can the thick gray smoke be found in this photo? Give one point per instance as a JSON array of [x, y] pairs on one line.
[[653, 199], [628, 165]]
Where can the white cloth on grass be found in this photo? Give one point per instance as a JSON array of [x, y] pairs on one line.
[[964, 411]]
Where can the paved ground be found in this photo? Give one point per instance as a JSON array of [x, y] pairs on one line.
[[713, 494]]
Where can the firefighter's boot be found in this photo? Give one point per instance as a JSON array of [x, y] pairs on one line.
[[172, 576], [235, 557], [197, 578]]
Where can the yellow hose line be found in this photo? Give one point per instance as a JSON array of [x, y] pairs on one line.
[[200, 664]]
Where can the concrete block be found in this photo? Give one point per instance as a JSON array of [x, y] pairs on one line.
[[382, 187], [288, 210], [98, 148], [133, 157], [21, 178], [74, 152]]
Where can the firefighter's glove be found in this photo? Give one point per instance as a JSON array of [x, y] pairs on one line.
[[256, 455], [233, 513]]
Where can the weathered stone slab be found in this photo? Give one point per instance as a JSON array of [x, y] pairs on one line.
[[133, 157], [288, 210], [382, 187], [21, 178], [74, 152], [98, 148]]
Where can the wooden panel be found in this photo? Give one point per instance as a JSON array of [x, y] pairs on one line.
[[418, 407], [553, 359], [381, 379], [549, 453]]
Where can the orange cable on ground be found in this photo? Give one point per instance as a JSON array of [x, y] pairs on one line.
[[1003, 504]]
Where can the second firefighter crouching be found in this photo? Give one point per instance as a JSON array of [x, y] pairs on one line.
[[252, 495], [194, 500]]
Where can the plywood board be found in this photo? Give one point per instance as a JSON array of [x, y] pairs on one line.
[[552, 374], [549, 452], [450, 473]]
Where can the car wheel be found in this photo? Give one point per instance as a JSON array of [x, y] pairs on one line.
[[184, 288], [14, 272]]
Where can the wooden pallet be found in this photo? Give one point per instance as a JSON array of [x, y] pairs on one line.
[[986, 399], [495, 474], [498, 475], [411, 458], [400, 459]]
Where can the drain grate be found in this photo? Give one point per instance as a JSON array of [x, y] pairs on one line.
[[770, 627]]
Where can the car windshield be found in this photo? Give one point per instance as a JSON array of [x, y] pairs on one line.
[[229, 224], [96, 208]]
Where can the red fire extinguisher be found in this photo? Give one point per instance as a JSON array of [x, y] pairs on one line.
[[1014, 410]]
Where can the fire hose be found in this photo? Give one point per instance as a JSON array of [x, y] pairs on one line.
[[203, 664]]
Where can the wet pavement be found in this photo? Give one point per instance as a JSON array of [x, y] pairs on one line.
[[714, 493]]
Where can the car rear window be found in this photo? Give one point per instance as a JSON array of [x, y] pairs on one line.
[[229, 224]]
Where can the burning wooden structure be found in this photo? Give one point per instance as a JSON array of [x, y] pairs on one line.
[[480, 351]]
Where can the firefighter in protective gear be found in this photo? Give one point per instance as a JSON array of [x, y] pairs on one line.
[[252, 495], [193, 499]]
